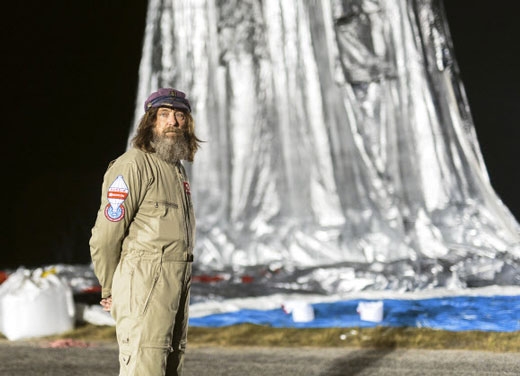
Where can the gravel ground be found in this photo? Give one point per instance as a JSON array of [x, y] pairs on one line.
[[37, 358]]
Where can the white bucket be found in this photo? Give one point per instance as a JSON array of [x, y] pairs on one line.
[[370, 311], [300, 311]]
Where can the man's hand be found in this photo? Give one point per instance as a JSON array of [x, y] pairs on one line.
[[106, 303]]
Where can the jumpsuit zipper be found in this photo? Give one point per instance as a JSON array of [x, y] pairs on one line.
[[185, 205]]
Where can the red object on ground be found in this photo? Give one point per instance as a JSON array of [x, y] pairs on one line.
[[3, 276], [204, 278], [246, 279], [91, 290], [66, 343]]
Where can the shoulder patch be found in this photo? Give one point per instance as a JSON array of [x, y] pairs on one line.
[[117, 194]]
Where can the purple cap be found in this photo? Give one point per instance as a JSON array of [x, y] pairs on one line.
[[168, 97]]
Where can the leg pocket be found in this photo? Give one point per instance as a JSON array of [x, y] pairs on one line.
[[122, 285]]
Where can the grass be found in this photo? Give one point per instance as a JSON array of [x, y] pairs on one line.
[[379, 337]]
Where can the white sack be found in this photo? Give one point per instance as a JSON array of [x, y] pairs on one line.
[[93, 314]]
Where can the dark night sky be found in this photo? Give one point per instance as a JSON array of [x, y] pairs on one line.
[[70, 81]]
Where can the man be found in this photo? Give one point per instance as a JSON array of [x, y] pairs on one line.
[[142, 241]]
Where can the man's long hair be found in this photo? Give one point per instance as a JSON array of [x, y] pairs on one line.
[[144, 136]]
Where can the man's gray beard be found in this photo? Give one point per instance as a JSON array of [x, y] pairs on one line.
[[171, 150]]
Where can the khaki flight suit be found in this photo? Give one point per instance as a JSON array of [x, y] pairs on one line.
[[142, 252]]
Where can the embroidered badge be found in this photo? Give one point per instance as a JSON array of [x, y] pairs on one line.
[[186, 187], [117, 194]]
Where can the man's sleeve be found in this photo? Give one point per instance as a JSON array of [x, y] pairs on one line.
[[122, 187]]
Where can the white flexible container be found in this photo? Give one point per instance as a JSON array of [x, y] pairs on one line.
[[35, 304]]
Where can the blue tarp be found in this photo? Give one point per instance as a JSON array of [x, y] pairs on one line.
[[490, 313]]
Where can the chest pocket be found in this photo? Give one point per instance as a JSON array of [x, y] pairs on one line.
[[158, 209]]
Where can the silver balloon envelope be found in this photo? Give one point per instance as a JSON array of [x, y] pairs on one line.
[[340, 150]]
